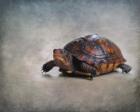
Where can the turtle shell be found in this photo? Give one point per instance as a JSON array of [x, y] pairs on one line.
[[95, 51]]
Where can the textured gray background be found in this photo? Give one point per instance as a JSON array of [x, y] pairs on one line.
[[31, 29]]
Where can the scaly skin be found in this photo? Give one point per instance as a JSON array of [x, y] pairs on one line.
[[48, 66]]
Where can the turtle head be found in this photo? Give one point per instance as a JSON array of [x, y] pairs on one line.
[[62, 59]]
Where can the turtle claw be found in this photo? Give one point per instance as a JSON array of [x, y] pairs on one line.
[[43, 73], [90, 77], [93, 74]]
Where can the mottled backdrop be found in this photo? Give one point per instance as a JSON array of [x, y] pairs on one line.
[[31, 29]]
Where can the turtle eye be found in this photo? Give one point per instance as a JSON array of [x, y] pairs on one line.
[[60, 51], [54, 50]]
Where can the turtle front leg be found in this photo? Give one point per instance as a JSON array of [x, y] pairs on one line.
[[48, 66], [125, 68]]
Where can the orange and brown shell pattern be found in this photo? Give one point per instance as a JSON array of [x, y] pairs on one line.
[[96, 51]]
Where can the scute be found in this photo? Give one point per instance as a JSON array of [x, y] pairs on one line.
[[94, 50]]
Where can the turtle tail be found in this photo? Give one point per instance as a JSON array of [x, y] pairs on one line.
[[48, 66]]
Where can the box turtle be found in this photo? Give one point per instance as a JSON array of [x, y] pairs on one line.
[[92, 55]]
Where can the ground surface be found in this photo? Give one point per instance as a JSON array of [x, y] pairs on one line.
[[31, 30], [113, 92]]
